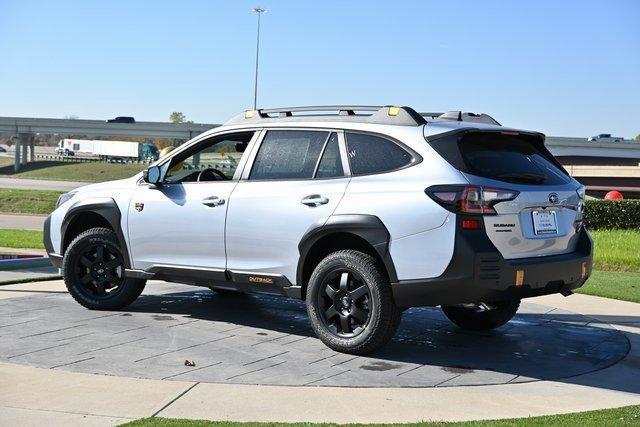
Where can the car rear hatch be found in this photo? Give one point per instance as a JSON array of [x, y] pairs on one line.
[[528, 204]]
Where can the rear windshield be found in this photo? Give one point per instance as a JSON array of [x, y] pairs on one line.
[[518, 159]]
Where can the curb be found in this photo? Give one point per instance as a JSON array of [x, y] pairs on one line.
[[19, 264]]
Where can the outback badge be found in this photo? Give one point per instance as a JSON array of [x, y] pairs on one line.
[[139, 206]]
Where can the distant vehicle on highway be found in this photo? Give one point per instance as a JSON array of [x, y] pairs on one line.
[[122, 119], [108, 150], [605, 137]]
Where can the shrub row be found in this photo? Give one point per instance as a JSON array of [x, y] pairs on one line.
[[618, 214]]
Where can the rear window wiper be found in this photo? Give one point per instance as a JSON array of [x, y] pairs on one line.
[[532, 178]]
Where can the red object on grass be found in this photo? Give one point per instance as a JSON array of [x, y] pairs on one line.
[[613, 195]]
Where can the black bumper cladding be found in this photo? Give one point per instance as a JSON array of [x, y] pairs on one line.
[[56, 259], [479, 273]]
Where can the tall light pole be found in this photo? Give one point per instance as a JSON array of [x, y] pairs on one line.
[[259, 11]]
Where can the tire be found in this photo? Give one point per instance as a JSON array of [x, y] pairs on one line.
[[94, 276], [475, 319], [360, 294]]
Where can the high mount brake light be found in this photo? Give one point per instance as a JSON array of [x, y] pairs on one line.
[[470, 199]]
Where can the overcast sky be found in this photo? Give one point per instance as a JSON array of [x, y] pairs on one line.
[[569, 68]]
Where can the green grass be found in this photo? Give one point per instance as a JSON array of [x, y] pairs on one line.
[[28, 201], [626, 416], [617, 250], [613, 284], [28, 239], [70, 171]]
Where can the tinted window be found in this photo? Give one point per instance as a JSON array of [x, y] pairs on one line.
[[372, 154], [509, 158], [287, 154], [331, 163], [214, 159]]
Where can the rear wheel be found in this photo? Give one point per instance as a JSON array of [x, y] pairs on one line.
[[350, 304], [482, 318], [93, 270]]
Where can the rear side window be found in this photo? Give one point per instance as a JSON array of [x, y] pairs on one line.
[[288, 155], [370, 154], [520, 159], [331, 163]]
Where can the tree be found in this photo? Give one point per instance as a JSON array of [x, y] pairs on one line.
[[177, 117], [162, 143], [638, 138]]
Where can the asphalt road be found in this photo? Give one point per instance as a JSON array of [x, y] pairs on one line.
[[22, 222], [39, 184]]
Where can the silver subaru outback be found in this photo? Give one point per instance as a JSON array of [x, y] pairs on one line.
[[359, 211]]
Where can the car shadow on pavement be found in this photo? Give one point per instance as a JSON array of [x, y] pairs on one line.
[[540, 343]]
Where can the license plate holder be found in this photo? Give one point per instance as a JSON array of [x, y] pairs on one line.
[[544, 222]]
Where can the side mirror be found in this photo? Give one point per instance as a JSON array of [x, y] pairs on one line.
[[152, 175]]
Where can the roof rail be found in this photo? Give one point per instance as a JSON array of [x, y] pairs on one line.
[[389, 115], [462, 116]]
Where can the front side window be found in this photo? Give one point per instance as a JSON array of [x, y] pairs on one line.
[[288, 154], [373, 154], [215, 159]]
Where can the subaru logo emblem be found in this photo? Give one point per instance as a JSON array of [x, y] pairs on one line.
[[553, 198]]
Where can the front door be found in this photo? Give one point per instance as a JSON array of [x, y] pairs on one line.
[[296, 182], [179, 225]]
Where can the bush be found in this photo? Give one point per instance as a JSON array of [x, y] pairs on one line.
[[613, 214]]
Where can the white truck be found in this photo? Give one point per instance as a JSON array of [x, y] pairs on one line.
[[108, 150]]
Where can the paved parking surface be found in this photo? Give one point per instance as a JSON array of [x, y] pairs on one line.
[[243, 339]]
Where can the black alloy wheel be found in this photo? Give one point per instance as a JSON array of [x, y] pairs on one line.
[[100, 269], [344, 300]]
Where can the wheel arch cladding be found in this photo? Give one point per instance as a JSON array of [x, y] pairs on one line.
[[366, 233], [95, 212]]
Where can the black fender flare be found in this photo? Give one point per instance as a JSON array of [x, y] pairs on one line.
[[107, 208], [367, 227]]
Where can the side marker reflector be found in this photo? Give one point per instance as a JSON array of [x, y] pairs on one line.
[[584, 270], [519, 277], [393, 111]]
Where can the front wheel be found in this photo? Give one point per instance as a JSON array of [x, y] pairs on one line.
[[350, 303], [482, 318], [93, 270]]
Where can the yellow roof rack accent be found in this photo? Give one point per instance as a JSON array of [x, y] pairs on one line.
[[393, 111], [249, 114]]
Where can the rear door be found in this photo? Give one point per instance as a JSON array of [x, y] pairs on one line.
[[545, 217], [296, 181]]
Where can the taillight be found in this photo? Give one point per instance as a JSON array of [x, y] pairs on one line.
[[470, 199]]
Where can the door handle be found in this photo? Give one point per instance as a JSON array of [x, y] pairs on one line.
[[314, 200], [213, 201]]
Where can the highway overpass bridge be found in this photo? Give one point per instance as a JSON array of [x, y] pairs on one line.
[[599, 165], [26, 128]]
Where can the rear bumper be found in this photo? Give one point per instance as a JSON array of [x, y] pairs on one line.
[[478, 273]]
